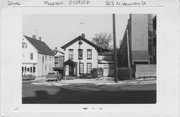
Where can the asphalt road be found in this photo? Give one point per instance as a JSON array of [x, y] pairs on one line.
[[88, 94]]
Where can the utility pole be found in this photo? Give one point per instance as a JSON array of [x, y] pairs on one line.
[[128, 49], [128, 53], [115, 50]]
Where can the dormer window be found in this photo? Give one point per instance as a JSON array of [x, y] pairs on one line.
[[24, 45]]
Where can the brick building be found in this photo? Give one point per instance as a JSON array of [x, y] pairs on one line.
[[138, 45]]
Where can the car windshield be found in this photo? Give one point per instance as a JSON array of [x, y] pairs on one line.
[[52, 73]]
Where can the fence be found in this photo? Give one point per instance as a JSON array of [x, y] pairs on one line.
[[143, 71]]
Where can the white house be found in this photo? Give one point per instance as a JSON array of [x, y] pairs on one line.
[[81, 56], [37, 57]]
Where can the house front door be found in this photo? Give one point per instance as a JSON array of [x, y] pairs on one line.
[[71, 70]]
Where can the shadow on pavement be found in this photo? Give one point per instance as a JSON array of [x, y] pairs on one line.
[[70, 96]]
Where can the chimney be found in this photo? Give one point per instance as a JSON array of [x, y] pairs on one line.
[[34, 36], [39, 38], [83, 35]]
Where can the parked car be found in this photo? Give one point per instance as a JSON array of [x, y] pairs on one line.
[[28, 77], [53, 76], [60, 70]]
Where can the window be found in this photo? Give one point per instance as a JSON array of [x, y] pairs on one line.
[[51, 73], [71, 54], [27, 69], [24, 45], [80, 53], [24, 69], [89, 67], [150, 46], [150, 27], [42, 59], [31, 56], [140, 62], [89, 54], [81, 68], [30, 69], [150, 21], [45, 68], [45, 57], [34, 69]]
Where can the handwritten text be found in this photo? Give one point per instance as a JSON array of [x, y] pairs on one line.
[[10, 3], [120, 3]]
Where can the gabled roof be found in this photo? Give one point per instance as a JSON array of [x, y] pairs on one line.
[[69, 62], [56, 51], [99, 49], [41, 46]]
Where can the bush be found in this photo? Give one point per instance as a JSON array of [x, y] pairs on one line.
[[124, 73], [87, 75], [28, 77], [100, 72], [96, 72]]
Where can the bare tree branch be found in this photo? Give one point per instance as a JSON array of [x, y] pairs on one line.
[[102, 40]]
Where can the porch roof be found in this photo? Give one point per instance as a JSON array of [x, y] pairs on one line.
[[69, 62]]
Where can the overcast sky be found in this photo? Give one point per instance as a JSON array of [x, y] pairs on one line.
[[58, 29]]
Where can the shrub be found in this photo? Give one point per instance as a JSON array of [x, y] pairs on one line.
[[81, 75], [96, 72], [100, 72], [87, 75], [124, 73], [28, 77]]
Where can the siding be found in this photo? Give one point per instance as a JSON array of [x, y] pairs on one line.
[[44, 68], [84, 46], [139, 31], [26, 53], [41, 68]]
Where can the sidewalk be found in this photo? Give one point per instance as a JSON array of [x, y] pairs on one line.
[[107, 82], [97, 81]]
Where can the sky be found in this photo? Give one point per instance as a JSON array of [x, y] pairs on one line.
[[58, 29]]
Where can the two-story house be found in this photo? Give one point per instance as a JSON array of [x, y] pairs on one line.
[[37, 57], [81, 56], [58, 60]]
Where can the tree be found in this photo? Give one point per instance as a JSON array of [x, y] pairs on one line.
[[103, 40]]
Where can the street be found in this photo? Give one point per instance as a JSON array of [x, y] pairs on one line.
[[79, 93]]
